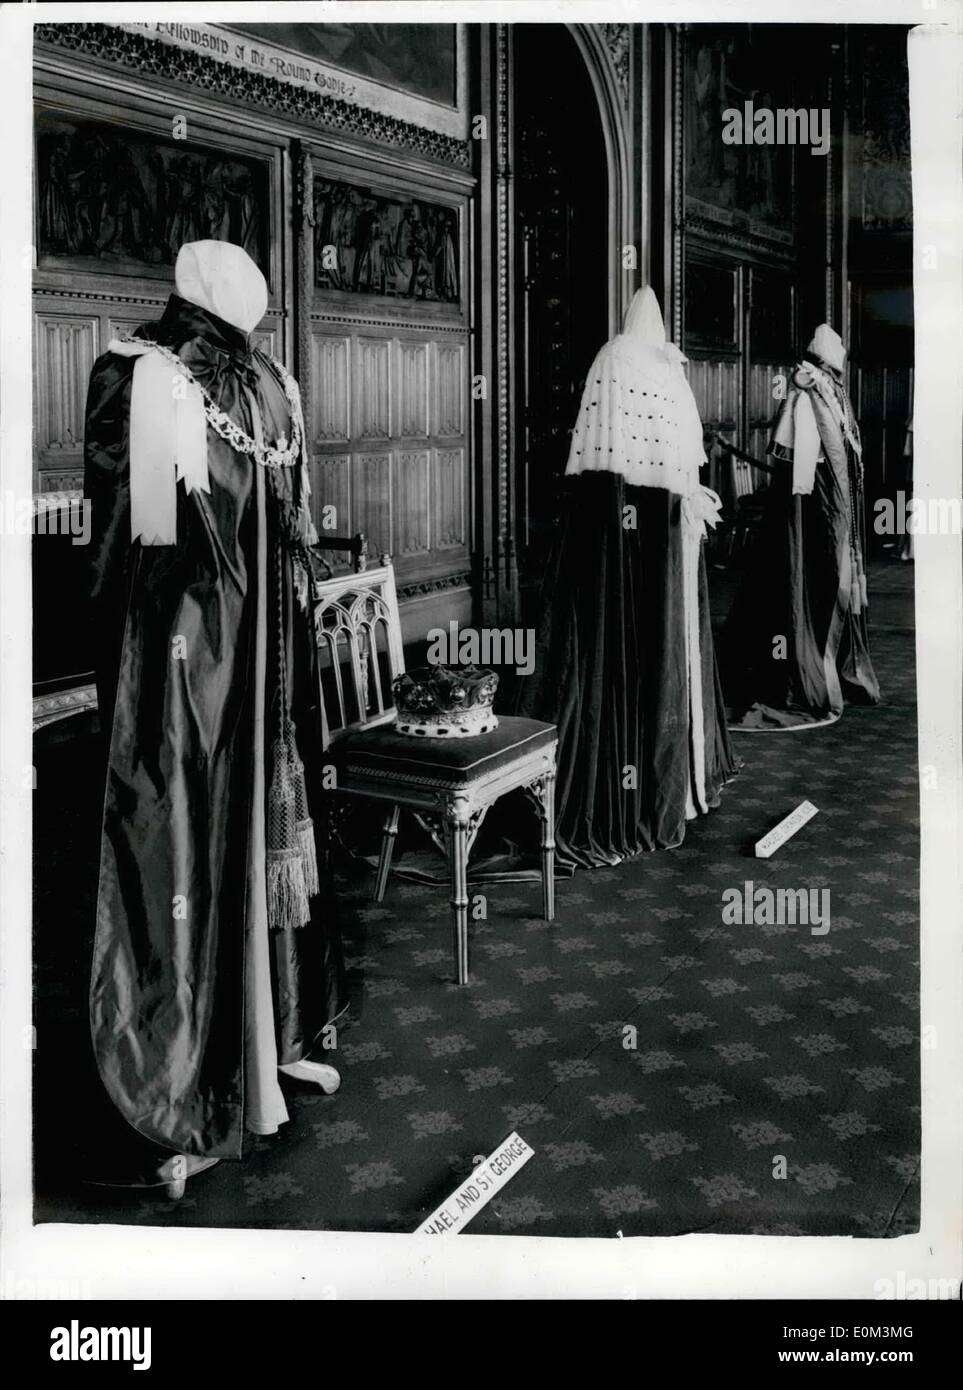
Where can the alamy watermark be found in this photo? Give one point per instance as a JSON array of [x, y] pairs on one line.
[[486, 646], [783, 126], [903, 1287], [45, 516], [75, 1343], [768, 907], [917, 516]]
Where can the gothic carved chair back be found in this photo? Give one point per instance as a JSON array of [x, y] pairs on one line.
[[744, 479], [357, 630]]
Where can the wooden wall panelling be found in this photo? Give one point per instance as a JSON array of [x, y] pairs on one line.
[[450, 403], [716, 387], [266, 340], [413, 383], [488, 340], [122, 324], [411, 502], [330, 397], [385, 270], [869, 399], [331, 501], [762, 408], [406, 393], [450, 511], [371, 497], [883, 403], [66, 347], [897, 410], [372, 389]]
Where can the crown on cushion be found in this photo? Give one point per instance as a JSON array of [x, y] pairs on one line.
[[445, 701]]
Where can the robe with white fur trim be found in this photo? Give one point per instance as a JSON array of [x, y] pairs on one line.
[[627, 668], [805, 580]]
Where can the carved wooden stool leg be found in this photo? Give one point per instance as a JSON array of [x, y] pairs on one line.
[[388, 837], [542, 794], [457, 817], [548, 848]]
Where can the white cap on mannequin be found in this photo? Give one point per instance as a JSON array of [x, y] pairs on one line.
[[221, 278], [828, 346]]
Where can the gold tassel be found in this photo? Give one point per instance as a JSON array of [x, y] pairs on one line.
[[305, 825], [292, 863], [309, 856], [287, 895], [288, 904]]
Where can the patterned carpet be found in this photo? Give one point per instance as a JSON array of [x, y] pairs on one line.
[[750, 1042]]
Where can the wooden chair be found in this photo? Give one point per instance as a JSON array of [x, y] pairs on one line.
[[749, 500], [448, 786], [356, 546]]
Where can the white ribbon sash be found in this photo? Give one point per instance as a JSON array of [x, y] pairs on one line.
[[168, 442], [806, 446], [699, 509]]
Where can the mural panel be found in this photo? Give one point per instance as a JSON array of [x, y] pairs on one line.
[[416, 58], [748, 186], [369, 242], [122, 201]]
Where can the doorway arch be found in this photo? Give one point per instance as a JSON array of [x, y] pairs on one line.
[[612, 103], [565, 294]]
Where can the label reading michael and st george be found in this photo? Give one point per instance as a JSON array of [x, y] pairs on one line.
[[491, 1174]]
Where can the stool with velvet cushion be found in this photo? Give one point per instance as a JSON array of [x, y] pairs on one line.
[[448, 784]]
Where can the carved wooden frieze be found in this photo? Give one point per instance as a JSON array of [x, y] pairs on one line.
[[618, 43], [420, 59], [371, 242], [64, 484], [138, 53], [47, 709], [122, 201]]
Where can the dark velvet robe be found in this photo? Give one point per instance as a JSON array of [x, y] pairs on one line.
[[801, 583], [611, 673], [167, 989]]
